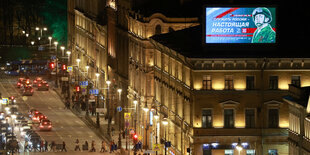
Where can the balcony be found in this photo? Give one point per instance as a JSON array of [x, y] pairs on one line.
[[240, 132]]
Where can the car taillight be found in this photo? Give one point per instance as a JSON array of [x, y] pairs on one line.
[[46, 84], [39, 85], [49, 126], [31, 90], [18, 83], [41, 126], [45, 123], [35, 81]]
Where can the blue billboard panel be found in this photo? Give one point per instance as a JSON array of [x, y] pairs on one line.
[[240, 25]]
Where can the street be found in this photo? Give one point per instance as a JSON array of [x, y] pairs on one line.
[[67, 127]]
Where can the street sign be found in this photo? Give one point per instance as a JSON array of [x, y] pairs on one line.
[[5, 100], [83, 83], [127, 115], [94, 91], [69, 68], [156, 147], [53, 57], [119, 108]]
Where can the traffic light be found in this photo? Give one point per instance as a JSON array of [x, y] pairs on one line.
[[77, 88], [64, 67], [135, 138], [52, 65]]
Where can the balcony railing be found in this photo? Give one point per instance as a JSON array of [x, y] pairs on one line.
[[240, 132]]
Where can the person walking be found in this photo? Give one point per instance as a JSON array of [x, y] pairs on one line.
[[68, 103], [86, 146], [93, 149], [77, 145], [63, 146], [46, 144], [26, 146], [103, 147], [112, 146], [41, 146], [53, 146]]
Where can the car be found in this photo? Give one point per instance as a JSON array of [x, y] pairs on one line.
[[37, 80], [45, 125], [20, 82], [32, 111], [37, 117], [27, 91], [43, 85]]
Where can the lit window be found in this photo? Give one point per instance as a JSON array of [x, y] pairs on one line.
[[207, 118], [207, 82], [229, 82]]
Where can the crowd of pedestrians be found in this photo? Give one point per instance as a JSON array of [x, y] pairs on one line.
[[53, 147]]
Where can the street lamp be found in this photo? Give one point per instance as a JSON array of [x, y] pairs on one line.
[[62, 50], [32, 42], [239, 146], [44, 29], [78, 63], [165, 123], [50, 41]]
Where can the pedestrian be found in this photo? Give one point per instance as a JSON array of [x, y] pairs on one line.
[[63, 146], [93, 149], [112, 146], [112, 131], [103, 146], [53, 146], [77, 145], [46, 144], [41, 146], [85, 146], [26, 146], [67, 103]]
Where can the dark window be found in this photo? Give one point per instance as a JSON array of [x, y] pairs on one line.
[[249, 118], [229, 82], [249, 82], [273, 118], [207, 118], [171, 29], [207, 82], [229, 118], [273, 82], [296, 81], [158, 29]]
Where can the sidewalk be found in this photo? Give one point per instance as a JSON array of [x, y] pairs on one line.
[[101, 132]]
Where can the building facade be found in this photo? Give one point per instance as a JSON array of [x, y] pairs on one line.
[[299, 120], [211, 103]]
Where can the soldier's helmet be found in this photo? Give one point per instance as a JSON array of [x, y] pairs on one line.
[[262, 10]]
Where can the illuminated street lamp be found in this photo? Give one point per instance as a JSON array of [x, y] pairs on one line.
[[239, 146], [32, 42], [62, 50], [50, 41], [41, 29], [165, 123]]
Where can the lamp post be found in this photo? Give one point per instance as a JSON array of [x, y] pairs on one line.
[[165, 123], [62, 50], [146, 110], [156, 116], [77, 70], [56, 66], [50, 42], [239, 146], [119, 90], [44, 29], [97, 113]]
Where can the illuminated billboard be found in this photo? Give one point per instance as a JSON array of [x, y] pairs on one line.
[[240, 25]]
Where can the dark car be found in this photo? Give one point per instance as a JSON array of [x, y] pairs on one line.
[[43, 85], [36, 81], [27, 91], [45, 125], [37, 117]]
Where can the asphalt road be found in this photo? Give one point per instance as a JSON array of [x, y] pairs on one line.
[[66, 126]]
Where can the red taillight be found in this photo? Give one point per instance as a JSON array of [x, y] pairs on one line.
[[35, 81], [49, 126], [18, 84], [39, 85], [41, 126], [36, 112], [46, 85], [45, 123], [31, 90]]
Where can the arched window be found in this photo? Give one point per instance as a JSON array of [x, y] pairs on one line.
[[158, 29]]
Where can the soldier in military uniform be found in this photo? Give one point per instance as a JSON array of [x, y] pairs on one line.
[[264, 32]]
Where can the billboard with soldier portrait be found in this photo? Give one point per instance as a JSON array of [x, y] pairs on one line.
[[240, 25]]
